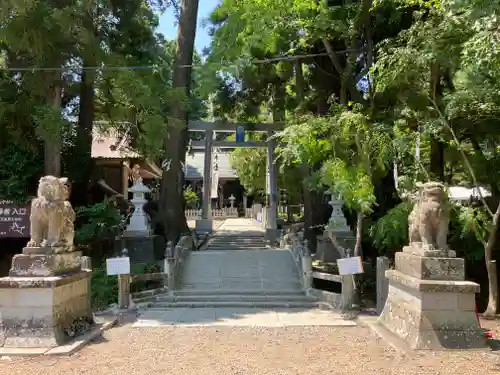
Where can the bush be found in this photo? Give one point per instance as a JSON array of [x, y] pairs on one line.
[[390, 233], [98, 221], [191, 197], [104, 288]]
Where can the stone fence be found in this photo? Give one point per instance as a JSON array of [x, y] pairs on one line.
[[222, 213], [175, 259], [294, 243], [171, 273]]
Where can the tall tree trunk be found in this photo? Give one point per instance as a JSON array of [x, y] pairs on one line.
[[491, 267], [83, 142], [310, 233], [437, 147], [53, 142], [171, 194]]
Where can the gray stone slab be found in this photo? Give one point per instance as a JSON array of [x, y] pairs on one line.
[[244, 317]]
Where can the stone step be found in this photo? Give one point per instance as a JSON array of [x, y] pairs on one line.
[[236, 298], [159, 306], [238, 243], [239, 247], [248, 292]]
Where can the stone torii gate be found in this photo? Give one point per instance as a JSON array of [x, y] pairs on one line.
[[205, 224]]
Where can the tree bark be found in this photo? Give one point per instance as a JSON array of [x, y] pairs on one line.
[[491, 267], [53, 142], [310, 233], [171, 194], [437, 147], [83, 142]]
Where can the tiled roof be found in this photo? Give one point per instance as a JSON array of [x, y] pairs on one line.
[[111, 145], [196, 161]]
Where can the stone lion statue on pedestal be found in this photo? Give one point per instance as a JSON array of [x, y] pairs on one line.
[[428, 222], [51, 216]]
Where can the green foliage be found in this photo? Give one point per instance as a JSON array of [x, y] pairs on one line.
[[390, 233], [250, 166], [18, 172], [469, 228], [191, 197], [466, 235], [104, 289], [97, 222]]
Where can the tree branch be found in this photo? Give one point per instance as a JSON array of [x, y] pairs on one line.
[[466, 160]]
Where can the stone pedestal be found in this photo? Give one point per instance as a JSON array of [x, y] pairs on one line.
[[326, 251], [141, 249], [44, 312], [429, 305], [204, 226]]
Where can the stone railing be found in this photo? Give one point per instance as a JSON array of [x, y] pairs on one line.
[[293, 241], [175, 259], [225, 212], [192, 214], [249, 213], [302, 258]]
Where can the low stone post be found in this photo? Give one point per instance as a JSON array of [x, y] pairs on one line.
[[382, 283], [124, 287], [169, 268], [86, 263], [307, 278]]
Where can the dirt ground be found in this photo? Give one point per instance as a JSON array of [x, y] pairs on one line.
[[248, 350]]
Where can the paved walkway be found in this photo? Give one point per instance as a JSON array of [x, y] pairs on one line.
[[242, 317], [237, 281]]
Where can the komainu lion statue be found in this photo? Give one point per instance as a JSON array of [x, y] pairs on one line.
[[428, 222], [47, 212]]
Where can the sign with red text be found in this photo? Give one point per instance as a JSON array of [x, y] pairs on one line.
[[14, 220]]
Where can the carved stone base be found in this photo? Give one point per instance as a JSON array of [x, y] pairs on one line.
[[427, 268], [417, 249], [44, 265], [432, 314], [43, 312], [49, 250]]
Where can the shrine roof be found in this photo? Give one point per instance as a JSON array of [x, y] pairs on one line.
[[109, 144]]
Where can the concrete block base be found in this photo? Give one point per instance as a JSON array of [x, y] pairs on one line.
[[141, 249], [429, 314], [44, 312], [204, 226], [271, 235]]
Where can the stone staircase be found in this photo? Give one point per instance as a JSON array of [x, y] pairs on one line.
[[237, 270], [235, 299], [236, 242], [257, 278]]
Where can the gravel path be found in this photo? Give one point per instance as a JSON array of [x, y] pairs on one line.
[[252, 351]]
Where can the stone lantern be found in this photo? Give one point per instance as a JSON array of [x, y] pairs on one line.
[[231, 200]]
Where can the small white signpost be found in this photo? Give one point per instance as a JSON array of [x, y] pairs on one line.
[[118, 266], [350, 266]]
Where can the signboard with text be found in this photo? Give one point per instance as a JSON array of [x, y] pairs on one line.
[[14, 220]]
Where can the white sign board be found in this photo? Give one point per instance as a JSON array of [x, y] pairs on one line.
[[118, 266], [350, 266]]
